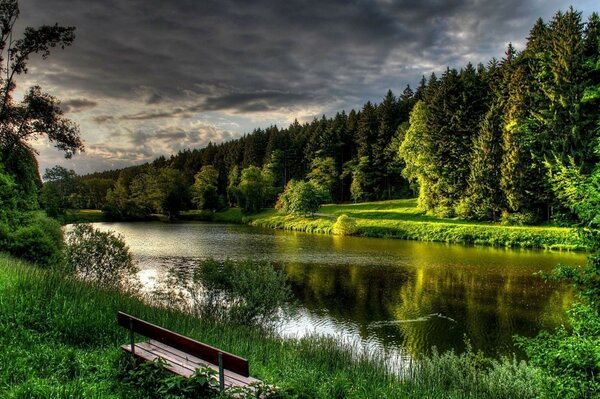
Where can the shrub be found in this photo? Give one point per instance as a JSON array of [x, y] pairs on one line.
[[345, 226], [519, 218], [243, 292], [99, 256], [570, 357], [38, 239]]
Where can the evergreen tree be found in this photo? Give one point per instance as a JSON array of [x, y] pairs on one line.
[[484, 198], [366, 135]]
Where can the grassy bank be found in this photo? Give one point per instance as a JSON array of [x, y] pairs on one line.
[[59, 339], [402, 219]]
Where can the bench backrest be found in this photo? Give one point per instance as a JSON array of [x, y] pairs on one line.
[[206, 352]]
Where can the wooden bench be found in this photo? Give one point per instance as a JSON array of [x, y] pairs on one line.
[[184, 355]]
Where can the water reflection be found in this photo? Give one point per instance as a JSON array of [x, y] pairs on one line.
[[399, 295]]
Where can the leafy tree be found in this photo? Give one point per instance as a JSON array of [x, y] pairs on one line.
[[366, 135], [323, 175], [160, 190], [273, 176], [415, 152], [204, 190], [361, 180], [39, 114], [96, 190], [300, 198], [59, 190], [233, 180], [8, 198], [251, 190], [569, 356], [388, 115]]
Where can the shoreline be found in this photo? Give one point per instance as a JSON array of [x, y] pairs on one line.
[[397, 219]]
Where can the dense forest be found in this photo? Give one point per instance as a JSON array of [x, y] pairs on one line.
[[484, 142]]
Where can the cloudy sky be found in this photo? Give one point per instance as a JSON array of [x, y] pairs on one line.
[[152, 77]]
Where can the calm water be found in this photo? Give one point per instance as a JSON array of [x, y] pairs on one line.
[[400, 296]]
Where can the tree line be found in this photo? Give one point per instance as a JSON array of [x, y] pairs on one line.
[[482, 142]]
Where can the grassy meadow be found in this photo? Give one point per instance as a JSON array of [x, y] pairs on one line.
[[402, 219]]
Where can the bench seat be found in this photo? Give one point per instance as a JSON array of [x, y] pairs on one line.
[[181, 363], [183, 355]]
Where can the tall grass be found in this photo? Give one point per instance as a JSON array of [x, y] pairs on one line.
[[59, 339]]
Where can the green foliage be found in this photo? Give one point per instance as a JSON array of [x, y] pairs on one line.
[[34, 237], [484, 199], [98, 256], [138, 193], [361, 180], [253, 189], [273, 177], [204, 190], [414, 152], [323, 175], [300, 198], [233, 180], [344, 226], [152, 380], [59, 191], [570, 356], [243, 292], [8, 197], [38, 114]]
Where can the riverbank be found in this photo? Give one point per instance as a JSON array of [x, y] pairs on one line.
[[401, 219], [59, 338]]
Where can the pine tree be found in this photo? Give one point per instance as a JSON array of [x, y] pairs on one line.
[[484, 198]]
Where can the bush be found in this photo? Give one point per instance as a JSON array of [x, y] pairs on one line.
[[570, 357], [242, 292], [99, 256], [519, 218], [38, 239], [345, 226]]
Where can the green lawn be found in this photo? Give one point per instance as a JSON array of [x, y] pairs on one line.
[[402, 209], [402, 219]]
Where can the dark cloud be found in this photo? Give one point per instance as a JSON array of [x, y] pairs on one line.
[[313, 50], [77, 105]]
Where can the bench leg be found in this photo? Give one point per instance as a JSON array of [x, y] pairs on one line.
[[131, 337], [221, 373]]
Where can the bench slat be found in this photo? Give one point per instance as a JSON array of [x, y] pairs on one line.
[[206, 352], [147, 355], [172, 364], [187, 359]]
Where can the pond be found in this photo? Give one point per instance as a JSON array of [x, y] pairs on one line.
[[399, 296]]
